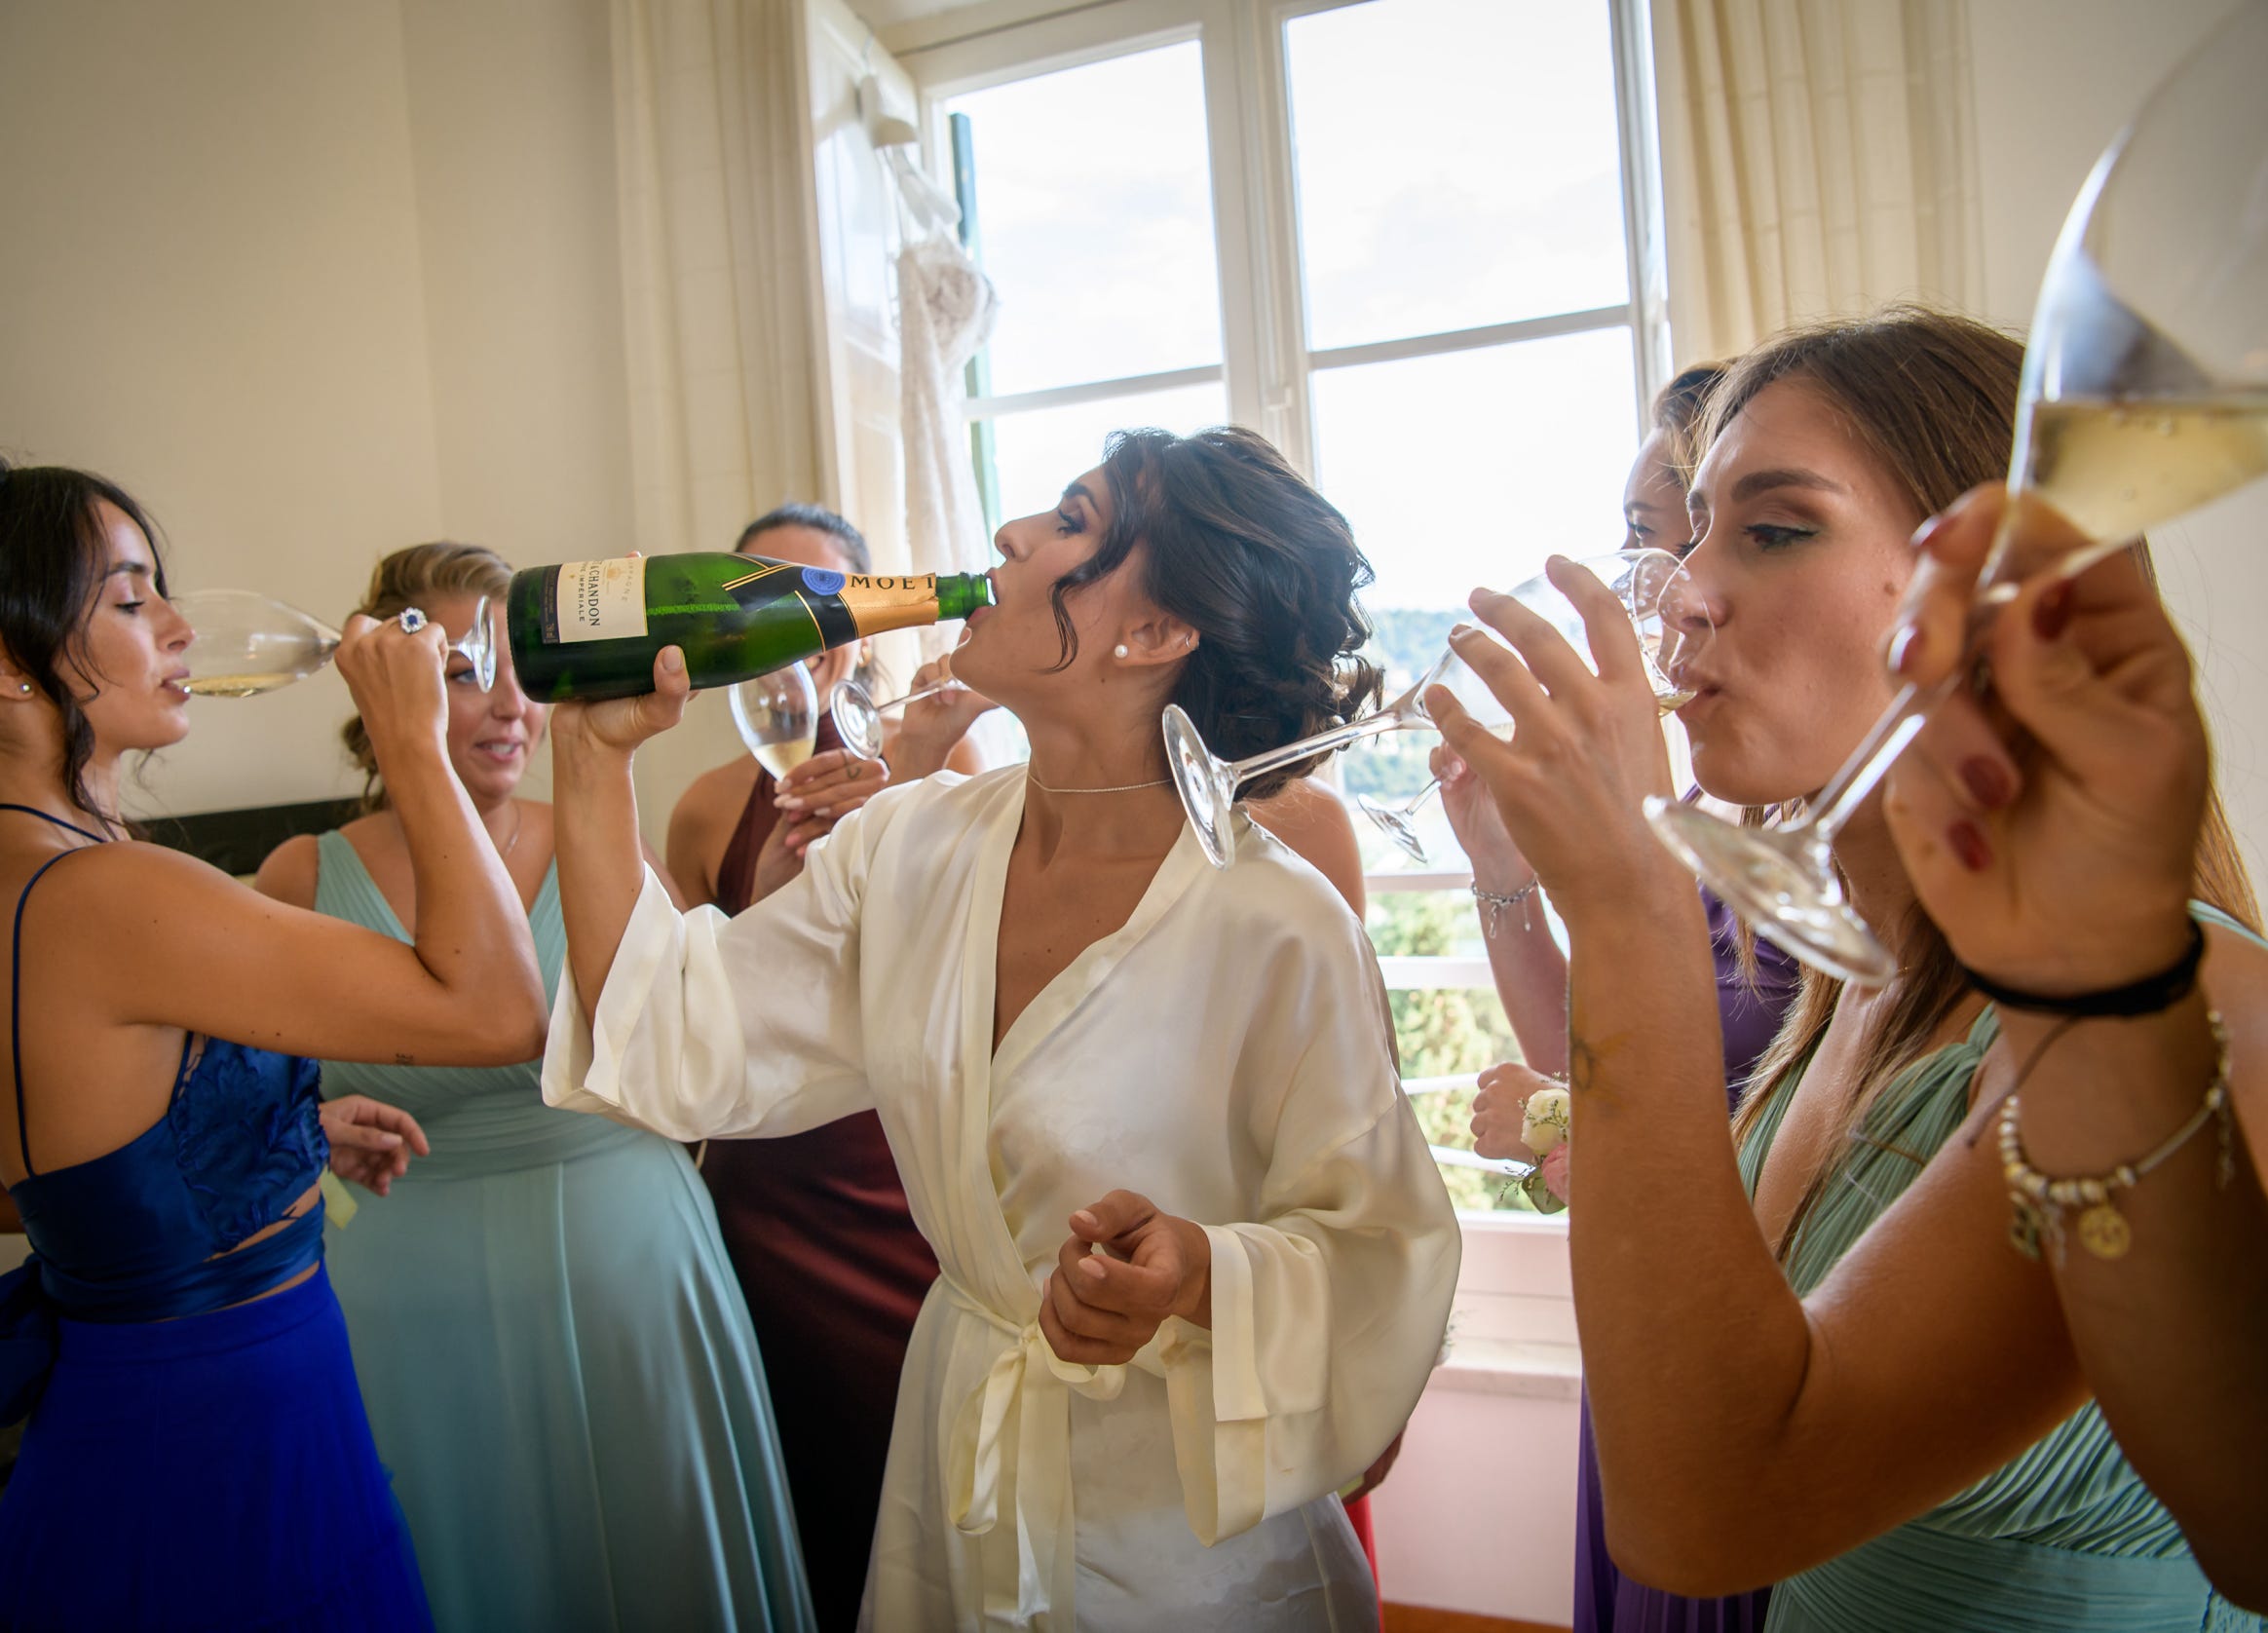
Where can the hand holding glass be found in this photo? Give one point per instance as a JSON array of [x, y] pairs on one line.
[[1208, 785], [1674, 629], [2144, 396], [859, 717], [248, 643]]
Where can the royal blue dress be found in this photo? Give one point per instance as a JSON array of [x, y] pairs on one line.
[[193, 1460]]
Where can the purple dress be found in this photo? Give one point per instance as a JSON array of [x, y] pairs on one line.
[[1606, 1599]]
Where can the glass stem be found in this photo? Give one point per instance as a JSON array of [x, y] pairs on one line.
[[929, 691], [1322, 743]]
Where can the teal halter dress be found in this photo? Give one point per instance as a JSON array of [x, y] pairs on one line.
[[557, 1359]]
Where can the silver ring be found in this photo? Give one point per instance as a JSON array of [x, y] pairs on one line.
[[411, 620]]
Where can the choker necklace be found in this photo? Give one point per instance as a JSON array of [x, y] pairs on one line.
[[1121, 788]]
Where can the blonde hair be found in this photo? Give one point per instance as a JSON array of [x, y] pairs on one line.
[[409, 578], [1930, 396]]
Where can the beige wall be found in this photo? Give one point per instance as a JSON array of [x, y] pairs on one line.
[[2055, 80], [313, 281]]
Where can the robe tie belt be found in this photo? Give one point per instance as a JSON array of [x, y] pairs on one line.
[[1030, 1381]]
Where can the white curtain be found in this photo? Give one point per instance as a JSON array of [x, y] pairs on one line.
[[946, 309], [713, 149], [1818, 159]]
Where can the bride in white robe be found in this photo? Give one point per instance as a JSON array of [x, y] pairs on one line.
[[1196, 1259]]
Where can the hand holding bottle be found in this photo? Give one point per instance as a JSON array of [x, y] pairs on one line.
[[617, 726]]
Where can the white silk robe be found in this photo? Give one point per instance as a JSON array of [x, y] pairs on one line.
[[1226, 1054]]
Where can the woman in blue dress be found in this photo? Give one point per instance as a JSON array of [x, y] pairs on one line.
[[556, 1358], [197, 1455]]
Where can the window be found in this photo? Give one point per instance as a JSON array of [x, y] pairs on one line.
[[1411, 242]]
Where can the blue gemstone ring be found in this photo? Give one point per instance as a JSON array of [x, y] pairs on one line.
[[411, 620]]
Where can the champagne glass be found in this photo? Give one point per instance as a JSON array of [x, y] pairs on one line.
[[1674, 629], [2144, 396], [778, 714], [1208, 785], [859, 717], [248, 643]]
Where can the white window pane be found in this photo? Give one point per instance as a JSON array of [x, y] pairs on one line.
[[1461, 469], [1039, 454], [1458, 163], [1094, 213]]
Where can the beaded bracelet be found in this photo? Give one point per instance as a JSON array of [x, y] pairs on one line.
[[1495, 904], [2040, 1202]]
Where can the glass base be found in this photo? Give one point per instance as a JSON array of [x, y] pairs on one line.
[[1779, 886], [858, 722], [1395, 826], [1202, 781]]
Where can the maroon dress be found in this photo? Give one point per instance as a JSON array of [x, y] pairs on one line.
[[820, 1236]]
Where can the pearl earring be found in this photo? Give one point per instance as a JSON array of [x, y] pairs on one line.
[[24, 687], [1119, 651]]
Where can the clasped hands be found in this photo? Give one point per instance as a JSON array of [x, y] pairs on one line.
[[1099, 1308]]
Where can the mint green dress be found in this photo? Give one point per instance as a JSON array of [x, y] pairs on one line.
[[2065, 1539], [557, 1359]]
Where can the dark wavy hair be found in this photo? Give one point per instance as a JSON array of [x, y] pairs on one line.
[[1237, 545], [52, 560]]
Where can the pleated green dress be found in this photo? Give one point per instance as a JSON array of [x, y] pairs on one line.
[[557, 1362], [2065, 1539]]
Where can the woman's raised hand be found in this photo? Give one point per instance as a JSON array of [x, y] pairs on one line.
[[932, 727], [1586, 749], [1498, 864], [1100, 1308], [394, 676], [619, 725], [1500, 1111], [2048, 825]]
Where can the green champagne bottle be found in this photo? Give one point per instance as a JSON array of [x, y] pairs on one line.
[[590, 629]]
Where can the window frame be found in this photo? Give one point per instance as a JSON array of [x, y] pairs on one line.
[[1266, 365]]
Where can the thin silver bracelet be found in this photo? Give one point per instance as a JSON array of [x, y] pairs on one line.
[[1494, 905]]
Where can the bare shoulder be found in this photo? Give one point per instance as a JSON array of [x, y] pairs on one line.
[[714, 797], [291, 871], [1312, 822]]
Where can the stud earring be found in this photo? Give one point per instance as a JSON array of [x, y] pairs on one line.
[[1118, 651], [24, 686]]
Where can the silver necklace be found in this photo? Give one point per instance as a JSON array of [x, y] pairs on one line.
[[1121, 788], [518, 817]]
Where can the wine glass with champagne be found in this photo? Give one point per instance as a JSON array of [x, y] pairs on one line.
[[778, 713], [1640, 579], [2144, 396], [248, 643], [1674, 629]]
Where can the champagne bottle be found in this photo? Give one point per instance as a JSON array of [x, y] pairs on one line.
[[590, 629]]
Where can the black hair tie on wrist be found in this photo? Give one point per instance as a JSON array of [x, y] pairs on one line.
[[2145, 997]]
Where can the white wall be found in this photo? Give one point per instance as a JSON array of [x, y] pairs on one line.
[[2055, 81], [314, 283]]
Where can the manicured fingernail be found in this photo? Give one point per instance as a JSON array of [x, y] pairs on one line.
[[672, 661], [1906, 649], [788, 802], [1968, 844], [1091, 1267], [1988, 782], [1083, 1220], [1459, 632], [2052, 611], [1929, 530]]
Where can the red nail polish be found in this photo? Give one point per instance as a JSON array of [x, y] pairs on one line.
[[1968, 844], [1988, 782], [2052, 611]]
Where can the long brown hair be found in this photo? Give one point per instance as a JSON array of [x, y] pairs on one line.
[[1930, 396], [408, 577]]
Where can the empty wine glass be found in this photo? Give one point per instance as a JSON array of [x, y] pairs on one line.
[[1208, 783], [778, 714], [248, 643], [2144, 396], [859, 717], [1674, 629]]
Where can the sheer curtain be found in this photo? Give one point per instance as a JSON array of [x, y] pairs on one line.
[[1818, 159], [714, 150]]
